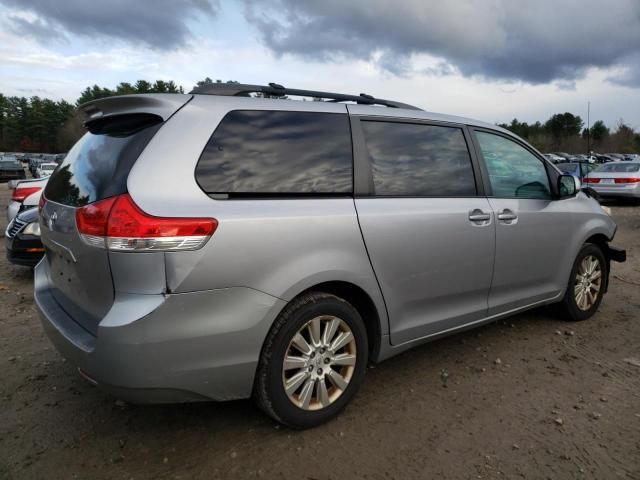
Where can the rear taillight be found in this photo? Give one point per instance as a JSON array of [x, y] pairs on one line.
[[20, 193], [591, 180], [42, 201], [627, 180], [117, 223]]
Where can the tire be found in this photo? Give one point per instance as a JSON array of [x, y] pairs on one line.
[[577, 307], [305, 406]]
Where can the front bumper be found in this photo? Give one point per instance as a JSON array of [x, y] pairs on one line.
[[166, 348], [25, 250], [616, 254], [13, 209]]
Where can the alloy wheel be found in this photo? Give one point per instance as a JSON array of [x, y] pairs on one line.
[[319, 362], [588, 282]]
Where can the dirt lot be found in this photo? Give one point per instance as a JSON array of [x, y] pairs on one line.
[[531, 397]]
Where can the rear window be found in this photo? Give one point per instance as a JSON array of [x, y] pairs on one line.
[[273, 153], [98, 164], [618, 168]]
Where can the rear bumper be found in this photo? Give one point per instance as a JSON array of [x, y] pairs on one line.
[[166, 348], [625, 191]]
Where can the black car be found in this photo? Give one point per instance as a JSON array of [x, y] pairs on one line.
[[11, 169], [22, 239]]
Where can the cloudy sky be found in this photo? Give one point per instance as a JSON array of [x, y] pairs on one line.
[[488, 59]]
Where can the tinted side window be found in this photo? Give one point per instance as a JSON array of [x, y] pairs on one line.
[[514, 172], [270, 152], [414, 159]]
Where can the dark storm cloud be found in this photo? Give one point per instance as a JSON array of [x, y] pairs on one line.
[[630, 76], [156, 23], [37, 29], [536, 42]]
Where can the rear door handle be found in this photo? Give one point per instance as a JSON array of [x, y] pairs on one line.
[[478, 216], [507, 215]]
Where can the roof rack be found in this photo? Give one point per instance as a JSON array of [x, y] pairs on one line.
[[276, 90]]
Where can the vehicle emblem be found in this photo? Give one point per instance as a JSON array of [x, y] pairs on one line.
[[52, 220]]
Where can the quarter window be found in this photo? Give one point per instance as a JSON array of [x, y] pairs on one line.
[[514, 172], [255, 152], [418, 160]]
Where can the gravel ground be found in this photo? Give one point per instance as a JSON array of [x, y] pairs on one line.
[[529, 397]]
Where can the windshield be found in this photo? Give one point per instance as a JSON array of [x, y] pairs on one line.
[[618, 168], [568, 167], [8, 164]]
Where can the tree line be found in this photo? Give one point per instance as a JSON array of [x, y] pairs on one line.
[[38, 124], [565, 132], [42, 125]]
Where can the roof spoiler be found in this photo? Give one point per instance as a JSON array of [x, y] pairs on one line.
[[162, 106]]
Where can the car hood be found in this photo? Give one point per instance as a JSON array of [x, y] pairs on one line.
[[29, 216]]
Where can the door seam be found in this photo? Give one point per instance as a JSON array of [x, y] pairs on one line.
[[375, 275]]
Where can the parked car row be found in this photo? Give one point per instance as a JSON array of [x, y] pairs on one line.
[[561, 157], [45, 159], [11, 169]]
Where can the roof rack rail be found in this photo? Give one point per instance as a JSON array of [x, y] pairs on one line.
[[276, 90]]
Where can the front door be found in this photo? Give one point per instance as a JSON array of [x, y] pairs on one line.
[[533, 232]]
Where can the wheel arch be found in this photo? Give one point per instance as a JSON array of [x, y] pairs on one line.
[[602, 242], [362, 301]]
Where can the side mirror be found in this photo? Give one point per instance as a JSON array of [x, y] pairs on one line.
[[568, 186]]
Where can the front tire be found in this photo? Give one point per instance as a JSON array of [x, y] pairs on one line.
[[313, 361], [586, 284]]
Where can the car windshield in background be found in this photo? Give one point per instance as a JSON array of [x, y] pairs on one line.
[[568, 167], [619, 168], [9, 164]]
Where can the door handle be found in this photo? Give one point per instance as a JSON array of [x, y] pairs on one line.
[[507, 215], [478, 216]]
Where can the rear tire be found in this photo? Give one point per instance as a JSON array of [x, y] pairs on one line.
[[324, 341], [586, 284]]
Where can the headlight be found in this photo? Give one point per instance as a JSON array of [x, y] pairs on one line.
[[32, 229]]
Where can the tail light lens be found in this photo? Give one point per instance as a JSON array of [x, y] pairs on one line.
[[591, 180], [20, 193], [117, 223], [42, 201], [627, 180]]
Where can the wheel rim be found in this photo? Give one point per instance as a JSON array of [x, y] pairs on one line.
[[588, 282], [319, 363]]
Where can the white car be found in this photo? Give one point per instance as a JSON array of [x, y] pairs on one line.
[[554, 158], [26, 195], [45, 169]]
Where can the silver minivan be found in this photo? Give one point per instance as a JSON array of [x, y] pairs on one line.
[[233, 242]]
